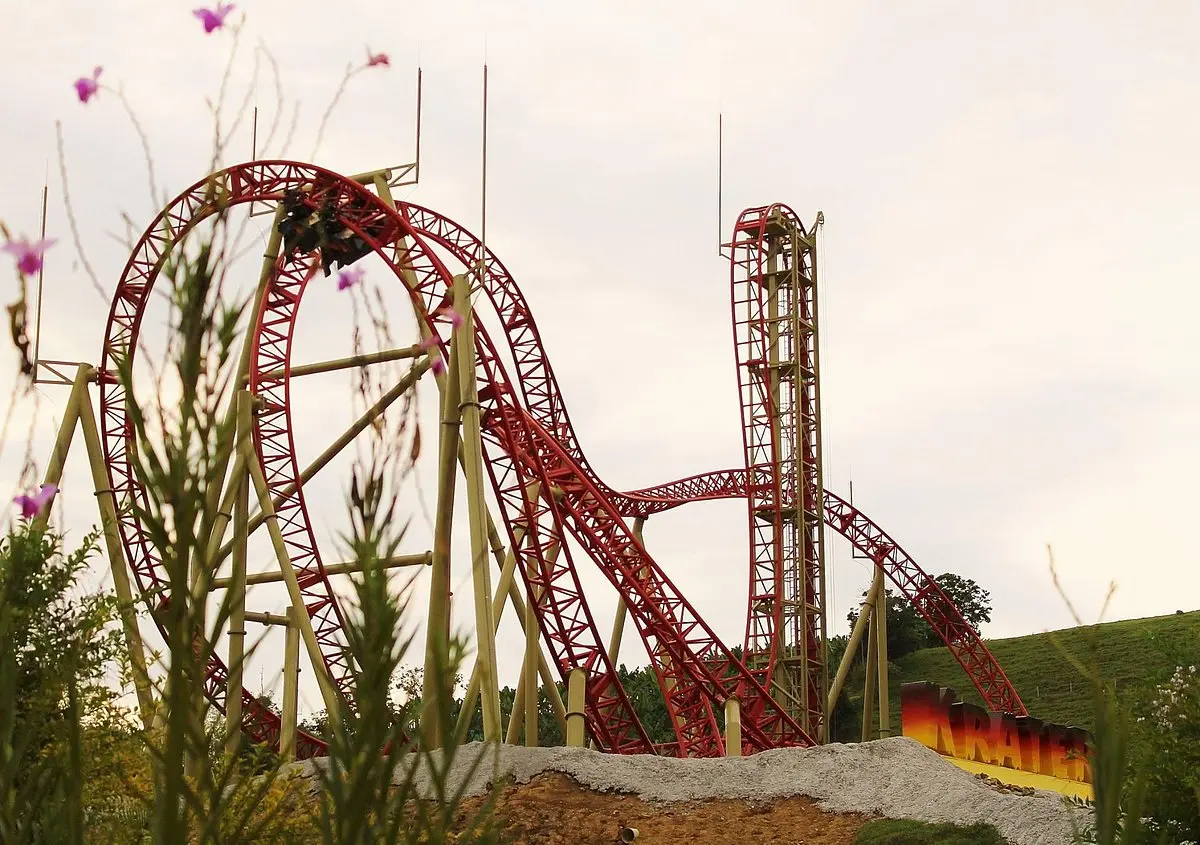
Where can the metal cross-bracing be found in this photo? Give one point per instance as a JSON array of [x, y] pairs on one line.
[[930, 601], [689, 679], [544, 489], [773, 275]]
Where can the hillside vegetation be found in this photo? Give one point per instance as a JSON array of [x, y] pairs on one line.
[[1131, 652]]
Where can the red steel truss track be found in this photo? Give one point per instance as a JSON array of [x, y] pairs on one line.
[[527, 438], [930, 601], [694, 685]]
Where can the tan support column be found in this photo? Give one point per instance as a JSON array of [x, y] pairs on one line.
[[107, 504], [576, 702], [524, 680], [549, 685], [449, 388], [471, 698], [532, 651], [614, 644], [204, 552], [291, 686], [437, 632], [62, 443], [237, 581], [733, 727], [485, 627], [329, 695], [856, 635], [869, 683], [881, 650]]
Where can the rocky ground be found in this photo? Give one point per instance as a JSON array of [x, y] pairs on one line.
[[816, 795], [552, 809]]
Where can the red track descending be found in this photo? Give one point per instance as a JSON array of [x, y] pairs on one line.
[[914, 584], [527, 439]]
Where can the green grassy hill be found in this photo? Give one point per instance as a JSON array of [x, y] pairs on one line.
[[1131, 652]]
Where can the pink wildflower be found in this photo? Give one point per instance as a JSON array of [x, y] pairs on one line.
[[377, 59], [29, 255], [31, 506], [349, 278], [86, 87], [456, 319], [438, 366], [213, 18]]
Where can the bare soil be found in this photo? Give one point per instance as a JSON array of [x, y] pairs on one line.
[[553, 809]]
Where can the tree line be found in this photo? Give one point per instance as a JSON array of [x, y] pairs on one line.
[[907, 632]]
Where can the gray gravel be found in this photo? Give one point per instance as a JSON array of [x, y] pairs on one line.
[[895, 778]]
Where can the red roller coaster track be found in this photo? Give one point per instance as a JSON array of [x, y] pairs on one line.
[[527, 437]]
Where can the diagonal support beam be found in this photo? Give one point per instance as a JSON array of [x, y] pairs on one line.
[[328, 693], [370, 415]]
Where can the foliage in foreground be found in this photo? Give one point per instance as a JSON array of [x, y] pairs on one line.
[[908, 832], [1127, 809], [73, 767]]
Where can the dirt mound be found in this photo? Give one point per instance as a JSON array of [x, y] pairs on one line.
[[553, 809], [891, 778]]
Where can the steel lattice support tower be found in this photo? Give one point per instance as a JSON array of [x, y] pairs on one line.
[[774, 281]]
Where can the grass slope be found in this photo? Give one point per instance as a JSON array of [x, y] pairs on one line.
[[1130, 651]]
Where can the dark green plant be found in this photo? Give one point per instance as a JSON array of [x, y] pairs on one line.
[[908, 632], [1119, 813], [1165, 744], [908, 832], [54, 648]]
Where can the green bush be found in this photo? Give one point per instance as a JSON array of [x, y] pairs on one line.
[[1167, 734], [907, 832]]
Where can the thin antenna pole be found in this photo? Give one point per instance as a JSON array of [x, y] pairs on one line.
[[254, 145], [37, 330], [720, 176], [418, 170], [483, 193]]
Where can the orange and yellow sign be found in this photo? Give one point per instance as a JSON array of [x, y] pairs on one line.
[[1020, 750]]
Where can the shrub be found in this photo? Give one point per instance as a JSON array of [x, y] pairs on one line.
[[907, 832]]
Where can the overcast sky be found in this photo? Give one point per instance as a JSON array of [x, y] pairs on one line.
[[1009, 288]]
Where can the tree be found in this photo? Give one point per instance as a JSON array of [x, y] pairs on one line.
[[641, 685], [908, 632], [55, 647], [972, 601]]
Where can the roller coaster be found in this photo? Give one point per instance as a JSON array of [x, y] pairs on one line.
[[552, 507]]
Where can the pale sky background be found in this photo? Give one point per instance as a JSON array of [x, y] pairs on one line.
[[1009, 289]]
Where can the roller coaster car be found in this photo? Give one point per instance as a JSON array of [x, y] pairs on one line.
[[297, 226], [304, 230], [340, 247]]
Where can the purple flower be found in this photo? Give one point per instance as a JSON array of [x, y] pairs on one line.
[[349, 278], [86, 87], [29, 255], [31, 506], [213, 18], [456, 319], [374, 59], [438, 366]]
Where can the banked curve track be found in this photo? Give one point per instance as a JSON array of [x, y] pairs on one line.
[[527, 438]]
